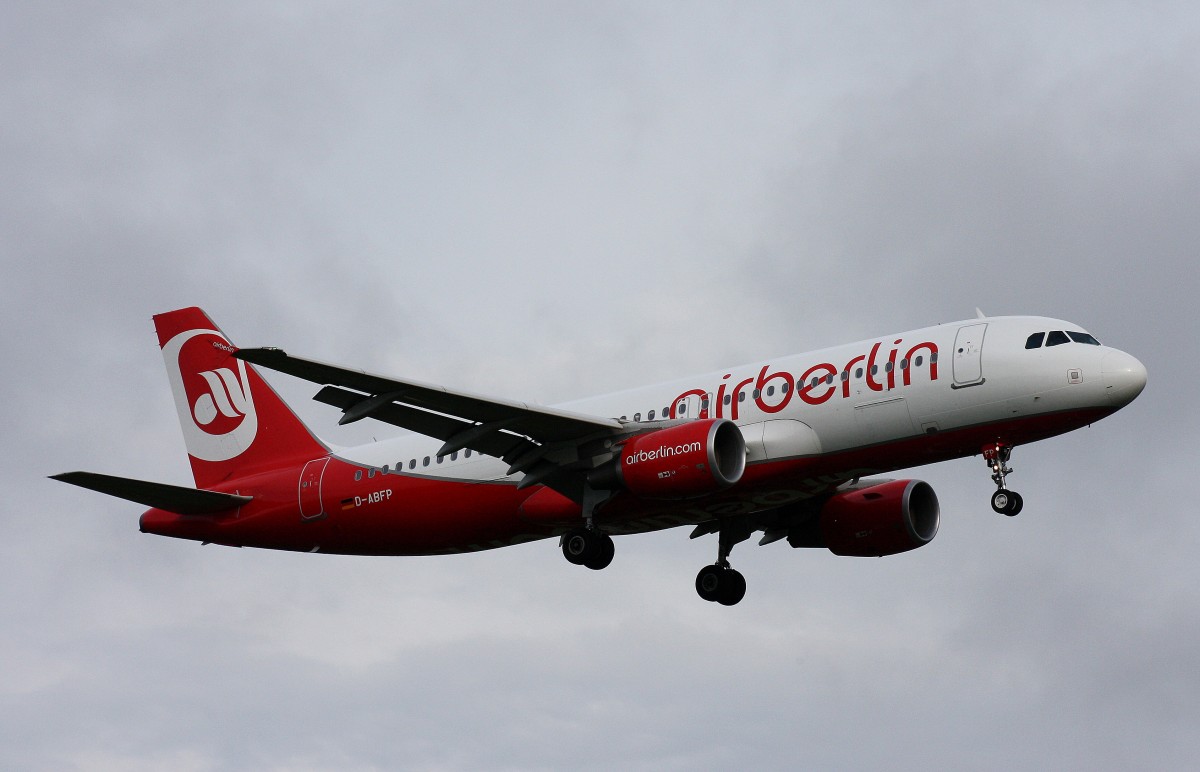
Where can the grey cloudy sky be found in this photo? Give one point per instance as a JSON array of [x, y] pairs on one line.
[[544, 201]]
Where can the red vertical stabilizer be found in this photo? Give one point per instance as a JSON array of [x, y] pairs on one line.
[[233, 423]]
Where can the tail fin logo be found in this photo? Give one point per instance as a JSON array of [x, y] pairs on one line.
[[212, 395], [226, 396]]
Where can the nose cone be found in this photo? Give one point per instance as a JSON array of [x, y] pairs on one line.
[[1124, 377]]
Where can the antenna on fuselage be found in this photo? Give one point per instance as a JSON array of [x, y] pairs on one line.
[[979, 314]]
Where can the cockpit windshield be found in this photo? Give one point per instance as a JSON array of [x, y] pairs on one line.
[[1083, 337], [1058, 338]]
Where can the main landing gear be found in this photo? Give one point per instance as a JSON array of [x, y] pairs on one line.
[[588, 547], [720, 582], [1004, 501]]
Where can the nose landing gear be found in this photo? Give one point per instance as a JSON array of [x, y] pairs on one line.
[[1004, 501]]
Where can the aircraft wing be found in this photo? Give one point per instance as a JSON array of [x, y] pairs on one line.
[[550, 446]]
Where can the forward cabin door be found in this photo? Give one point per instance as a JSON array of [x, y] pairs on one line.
[[968, 352]]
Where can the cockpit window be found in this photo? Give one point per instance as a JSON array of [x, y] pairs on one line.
[[1083, 337], [1035, 340], [1057, 338]]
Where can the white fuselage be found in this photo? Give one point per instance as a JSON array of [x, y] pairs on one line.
[[922, 383]]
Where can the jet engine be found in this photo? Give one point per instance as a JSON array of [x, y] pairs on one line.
[[880, 519], [679, 462]]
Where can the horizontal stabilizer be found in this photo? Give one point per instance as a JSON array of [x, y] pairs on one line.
[[170, 498]]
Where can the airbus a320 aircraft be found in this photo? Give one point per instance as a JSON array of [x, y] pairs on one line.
[[780, 447]]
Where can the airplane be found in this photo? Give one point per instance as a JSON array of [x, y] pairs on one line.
[[785, 447]]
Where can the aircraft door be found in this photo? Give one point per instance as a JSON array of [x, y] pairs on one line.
[[311, 505], [968, 351], [692, 406]]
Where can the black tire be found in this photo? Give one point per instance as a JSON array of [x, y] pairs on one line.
[[733, 588], [580, 546], [1002, 501], [604, 555], [709, 583], [1015, 504]]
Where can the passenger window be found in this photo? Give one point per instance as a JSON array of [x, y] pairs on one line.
[[682, 409], [1057, 338], [770, 391], [650, 416], [933, 358], [858, 373], [1035, 340], [917, 361], [370, 474], [425, 462], [357, 475], [704, 404], [903, 364], [757, 393], [845, 375], [454, 456], [467, 453], [829, 379], [1083, 337], [385, 468], [888, 367], [728, 399], [783, 389], [741, 396], [637, 416], [412, 463]]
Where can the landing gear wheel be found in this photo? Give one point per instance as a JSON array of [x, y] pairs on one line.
[[1006, 502], [734, 589], [604, 555], [593, 549], [580, 546], [720, 584], [708, 583]]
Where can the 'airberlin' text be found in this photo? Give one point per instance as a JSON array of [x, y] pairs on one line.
[[773, 391], [662, 452]]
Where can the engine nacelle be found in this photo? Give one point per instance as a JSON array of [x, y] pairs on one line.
[[882, 519], [682, 462]]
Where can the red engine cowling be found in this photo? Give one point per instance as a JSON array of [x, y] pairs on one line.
[[682, 462], [881, 519]]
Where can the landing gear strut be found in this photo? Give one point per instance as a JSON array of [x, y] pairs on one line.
[[720, 582], [1004, 501]]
